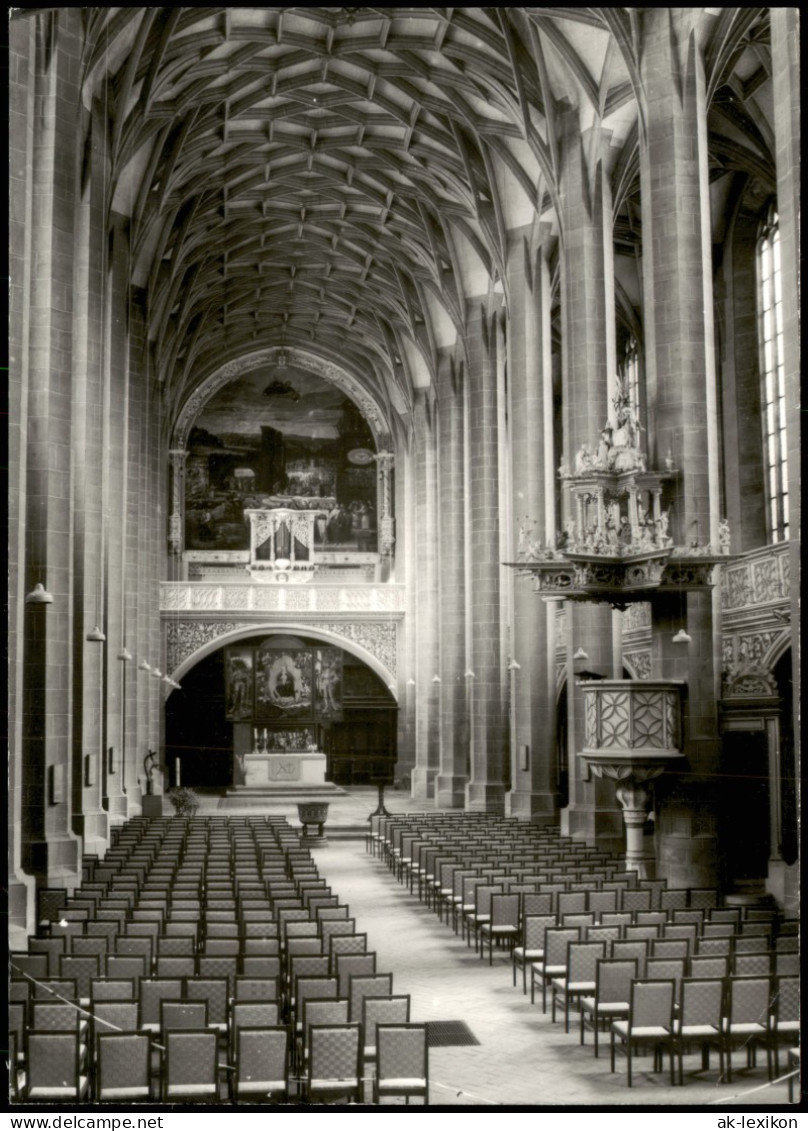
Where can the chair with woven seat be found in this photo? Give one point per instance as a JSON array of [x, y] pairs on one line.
[[554, 962], [611, 999], [333, 1068], [784, 1016], [402, 1062], [250, 1015], [182, 1015], [503, 927], [700, 1021], [747, 1019], [649, 1022], [579, 979], [152, 992], [214, 991], [531, 947], [392, 1010], [52, 1071], [190, 1067], [262, 1064], [345, 944], [361, 986], [316, 1011], [350, 964], [122, 1067]]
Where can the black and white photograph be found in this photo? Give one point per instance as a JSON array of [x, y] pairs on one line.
[[404, 505]]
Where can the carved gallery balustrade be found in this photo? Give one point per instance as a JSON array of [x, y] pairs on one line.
[[197, 596]]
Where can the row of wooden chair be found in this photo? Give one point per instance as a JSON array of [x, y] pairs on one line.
[[188, 915], [121, 1070]]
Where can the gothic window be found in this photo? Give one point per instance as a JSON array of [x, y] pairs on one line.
[[773, 399], [629, 369]]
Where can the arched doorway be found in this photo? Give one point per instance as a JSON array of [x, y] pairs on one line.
[[209, 724]]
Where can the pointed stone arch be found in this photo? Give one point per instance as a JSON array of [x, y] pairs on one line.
[[371, 409]]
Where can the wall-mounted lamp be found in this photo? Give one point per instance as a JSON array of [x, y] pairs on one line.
[[143, 666], [125, 654], [682, 637], [156, 673], [95, 636], [39, 595], [167, 679]]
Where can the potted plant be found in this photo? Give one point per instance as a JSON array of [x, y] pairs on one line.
[[184, 800]]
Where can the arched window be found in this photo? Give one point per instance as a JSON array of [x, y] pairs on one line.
[[773, 396], [628, 367]]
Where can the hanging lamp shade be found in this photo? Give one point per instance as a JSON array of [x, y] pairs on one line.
[[143, 666], [39, 595], [124, 654], [682, 637], [95, 636]]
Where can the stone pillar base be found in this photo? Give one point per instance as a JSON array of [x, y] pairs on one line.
[[93, 828], [55, 861], [485, 797], [540, 808], [422, 786], [21, 912], [152, 805], [687, 846], [783, 885], [601, 828], [450, 791]]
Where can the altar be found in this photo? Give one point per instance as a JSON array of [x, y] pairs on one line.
[[282, 768]]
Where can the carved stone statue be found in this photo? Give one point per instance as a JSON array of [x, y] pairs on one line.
[[724, 536], [584, 461]]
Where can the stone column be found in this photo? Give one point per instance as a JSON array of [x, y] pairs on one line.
[[588, 362], [427, 661], [532, 456], [450, 787], [486, 789], [677, 275], [785, 33], [22, 69], [682, 408]]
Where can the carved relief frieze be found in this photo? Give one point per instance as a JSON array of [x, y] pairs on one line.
[[639, 662], [184, 637]]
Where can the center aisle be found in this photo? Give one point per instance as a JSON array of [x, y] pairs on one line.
[[522, 1058]]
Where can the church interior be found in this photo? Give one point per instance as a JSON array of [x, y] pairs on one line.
[[404, 412]]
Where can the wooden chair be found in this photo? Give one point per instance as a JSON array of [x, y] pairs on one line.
[[503, 926], [262, 1064], [581, 963], [402, 1062], [190, 1072], [747, 1019], [122, 1067], [700, 1020], [611, 999], [333, 1068], [554, 962], [649, 1022], [52, 1069]]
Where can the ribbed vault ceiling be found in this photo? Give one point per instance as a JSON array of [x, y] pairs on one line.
[[343, 179]]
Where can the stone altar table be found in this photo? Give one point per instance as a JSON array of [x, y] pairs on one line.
[[284, 769]]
